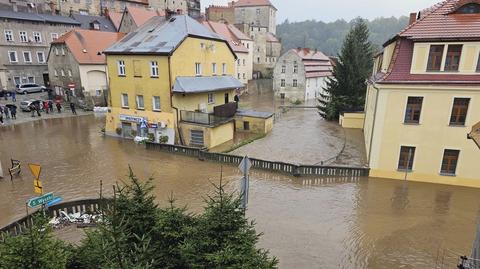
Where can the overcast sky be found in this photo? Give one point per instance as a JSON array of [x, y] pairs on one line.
[[330, 10]]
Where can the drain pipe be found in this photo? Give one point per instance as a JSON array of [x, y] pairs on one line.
[[171, 99], [373, 124]]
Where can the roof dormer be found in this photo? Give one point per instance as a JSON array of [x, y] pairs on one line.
[[467, 7]]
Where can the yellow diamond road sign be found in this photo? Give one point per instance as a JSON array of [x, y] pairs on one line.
[[475, 134], [35, 169]]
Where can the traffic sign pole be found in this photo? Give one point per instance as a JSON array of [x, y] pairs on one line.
[[245, 166]]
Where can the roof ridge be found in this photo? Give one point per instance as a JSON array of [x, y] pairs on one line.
[[430, 11]]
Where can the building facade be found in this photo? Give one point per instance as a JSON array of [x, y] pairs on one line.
[[301, 74], [134, 17], [194, 9], [220, 13], [77, 66], [181, 92], [24, 46], [177, 6], [423, 99], [242, 46], [256, 13]]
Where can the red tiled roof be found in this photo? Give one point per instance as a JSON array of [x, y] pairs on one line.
[[272, 38], [252, 3], [309, 54], [115, 18], [85, 45], [316, 63], [399, 70], [230, 33], [441, 22], [142, 15]]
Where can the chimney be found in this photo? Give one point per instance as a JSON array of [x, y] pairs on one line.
[[413, 18]]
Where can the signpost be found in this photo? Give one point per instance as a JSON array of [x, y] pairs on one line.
[[245, 166], [37, 184], [55, 201], [36, 201]]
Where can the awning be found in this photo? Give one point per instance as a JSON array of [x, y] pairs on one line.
[[205, 84]]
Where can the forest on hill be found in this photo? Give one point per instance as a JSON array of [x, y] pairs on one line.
[[328, 37]]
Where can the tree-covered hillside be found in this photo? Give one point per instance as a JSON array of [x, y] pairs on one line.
[[328, 37]]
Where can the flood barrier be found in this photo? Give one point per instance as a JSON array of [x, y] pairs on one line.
[[273, 166]]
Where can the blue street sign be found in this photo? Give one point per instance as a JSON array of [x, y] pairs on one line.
[[55, 201]]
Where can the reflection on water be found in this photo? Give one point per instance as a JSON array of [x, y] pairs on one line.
[[307, 222]]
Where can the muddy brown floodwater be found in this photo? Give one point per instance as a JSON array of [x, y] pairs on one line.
[[307, 222]]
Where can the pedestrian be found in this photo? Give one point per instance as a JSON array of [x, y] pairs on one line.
[[14, 96], [72, 107], [1, 118], [13, 111], [37, 108], [59, 107], [45, 106], [50, 106], [7, 114], [32, 109]]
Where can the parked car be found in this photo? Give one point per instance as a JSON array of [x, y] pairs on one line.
[[29, 88], [25, 105]]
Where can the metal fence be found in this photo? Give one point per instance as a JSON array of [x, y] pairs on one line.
[[201, 118], [288, 168]]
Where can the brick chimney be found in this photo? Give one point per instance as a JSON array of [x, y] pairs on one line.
[[413, 18]]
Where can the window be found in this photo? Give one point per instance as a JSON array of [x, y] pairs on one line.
[[23, 37], [63, 51], [258, 59], [62, 72], [55, 72], [453, 57], [124, 100], [282, 83], [17, 80], [295, 83], [9, 36], [69, 73], [27, 56], [258, 11], [283, 69], [54, 36], [154, 69], [37, 37], [246, 125], [478, 63], [121, 68], [198, 69], [224, 68], [12, 56], [295, 69], [96, 26], [244, 76], [471, 8], [435, 58], [405, 161], [459, 111], [449, 162], [214, 68], [31, 79], [211, 98], [156, 103], [140, 103], [413, 110], [238, 62], [238, 75], [41, 56], [56, 51], [244, 63], [196, 137]]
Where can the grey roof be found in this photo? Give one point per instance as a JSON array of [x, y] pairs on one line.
[[25, 16], [205, 84], [254, 114], [161, 36], [105, 24]]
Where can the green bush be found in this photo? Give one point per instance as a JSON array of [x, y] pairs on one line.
[[163, 139], [151, 137]]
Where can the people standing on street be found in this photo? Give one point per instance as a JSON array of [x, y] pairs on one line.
[[13, 111], [32, 109], [6, 112], [45, 106], [14, 96], [1, 117], [50, 106], [37, 108], [72, 107], [59, 107]]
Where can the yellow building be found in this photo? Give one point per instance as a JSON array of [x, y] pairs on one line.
[[424, 98], [172, 78]]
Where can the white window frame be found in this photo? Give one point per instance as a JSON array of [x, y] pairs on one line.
[[214, 69], [282, 83], [154, 108], [56, 51], [211, 98], [69, 72], [295, 83], [23, 36], [198, 69], [62, 72], [16, 56], [43, 56], [122, 99], [137, 99], [29, 56], [121, 70], [224, 68], [54, 36], [37, 35], [63, 51], [154, 73], [9, 36], [55, 72], [33, 80]]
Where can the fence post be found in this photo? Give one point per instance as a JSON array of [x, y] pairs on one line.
[[296, 171], [201, 155]]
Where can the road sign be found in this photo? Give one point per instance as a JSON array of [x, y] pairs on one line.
[[36, 201], [35, 169], [37, 186], [71, 85], [55, 201], [245, 165], [475, 134]]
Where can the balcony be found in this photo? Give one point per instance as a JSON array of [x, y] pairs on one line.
[[223, 113]]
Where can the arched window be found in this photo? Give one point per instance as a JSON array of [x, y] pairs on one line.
[[471, 8]]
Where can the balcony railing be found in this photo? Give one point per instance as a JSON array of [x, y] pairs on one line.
[[202, 118]]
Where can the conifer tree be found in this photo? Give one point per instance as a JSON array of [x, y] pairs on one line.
[[346, 89]]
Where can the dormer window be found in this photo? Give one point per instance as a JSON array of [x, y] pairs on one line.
[[472, 8], [435, 58], [95, 25], [453, 57]]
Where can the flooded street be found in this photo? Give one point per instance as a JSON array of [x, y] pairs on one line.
[[307, 222]]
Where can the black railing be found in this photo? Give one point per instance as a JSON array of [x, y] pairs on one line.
[[202, 118]]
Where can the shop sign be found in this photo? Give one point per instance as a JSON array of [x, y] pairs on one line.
[[153, 125], [131, 118]]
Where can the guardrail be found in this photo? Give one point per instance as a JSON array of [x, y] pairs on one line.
[[82, 206], [288, 168]]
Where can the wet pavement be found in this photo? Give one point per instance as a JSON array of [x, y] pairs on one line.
[[307, 222], [302, 136], [23, 116]]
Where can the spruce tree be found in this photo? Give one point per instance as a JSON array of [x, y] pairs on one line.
[[346, 89]]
